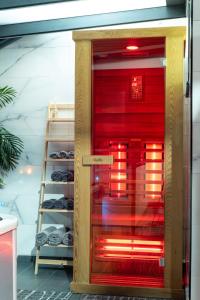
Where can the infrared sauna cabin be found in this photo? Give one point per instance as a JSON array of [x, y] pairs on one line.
[[129, 193]]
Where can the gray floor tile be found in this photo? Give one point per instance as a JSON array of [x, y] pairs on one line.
[[53, 284], [47, 278]]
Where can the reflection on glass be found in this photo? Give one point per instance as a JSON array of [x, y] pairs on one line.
[[127, 206]]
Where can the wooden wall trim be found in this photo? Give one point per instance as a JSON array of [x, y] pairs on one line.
[[82, 174], [173, 146], [127, 33], [176, 294], [174, 163]]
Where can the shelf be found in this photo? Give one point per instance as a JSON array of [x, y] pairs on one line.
[[59, 131], [61, 120], [58, 182], [54, 210], [59, 246], [59, 159], [43, 261], [58, 139]]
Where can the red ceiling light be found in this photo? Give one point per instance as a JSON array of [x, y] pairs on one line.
[[131, 47]]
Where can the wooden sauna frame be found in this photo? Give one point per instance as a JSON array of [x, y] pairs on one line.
[[174, 163]]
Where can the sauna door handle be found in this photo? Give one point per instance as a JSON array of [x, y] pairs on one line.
[[89, 160]]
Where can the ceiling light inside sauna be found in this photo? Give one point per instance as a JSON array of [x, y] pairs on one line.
[[131, 47]]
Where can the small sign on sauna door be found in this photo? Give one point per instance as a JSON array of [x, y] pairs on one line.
[[89, 160]]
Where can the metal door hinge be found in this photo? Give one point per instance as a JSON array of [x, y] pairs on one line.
[[162, 262], [164, 62]]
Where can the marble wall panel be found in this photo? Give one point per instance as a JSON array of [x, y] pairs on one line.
[[41, 69]]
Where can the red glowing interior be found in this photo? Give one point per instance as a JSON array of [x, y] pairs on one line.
[[127, 206]]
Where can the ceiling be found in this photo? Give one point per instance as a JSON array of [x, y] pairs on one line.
[[23, 17], [115, 50], [7, 4], [75, 8], [176, 2]]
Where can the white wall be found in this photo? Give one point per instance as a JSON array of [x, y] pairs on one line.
[[196, 155], [41, 69]]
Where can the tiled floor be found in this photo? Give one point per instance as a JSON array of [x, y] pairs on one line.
[[42, 295], [48, 279]]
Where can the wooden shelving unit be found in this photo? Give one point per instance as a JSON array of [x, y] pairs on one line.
[[43, 210], [57, 182], [57, 139], [56, 262], [55, 115], [59, 246]]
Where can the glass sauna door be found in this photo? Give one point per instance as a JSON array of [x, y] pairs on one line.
[[127, 197]]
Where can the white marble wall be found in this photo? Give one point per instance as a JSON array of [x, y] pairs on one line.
[[195, 289], [41, 69]]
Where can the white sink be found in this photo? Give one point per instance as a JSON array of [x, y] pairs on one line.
[[8, 223]]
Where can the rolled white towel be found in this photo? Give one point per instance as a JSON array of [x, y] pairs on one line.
[[55, 238], [42, 237]]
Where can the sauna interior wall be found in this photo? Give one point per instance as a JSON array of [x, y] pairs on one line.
[[127, 198]]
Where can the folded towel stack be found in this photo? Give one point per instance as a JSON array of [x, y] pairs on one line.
[[66, 154], [42, 237], [59, 204], [62, 155], [71, 154], [62, 203], [65, 203], [68, 238], [56, 176], [53, 155], [64, 176], [68, 175], [55, 236], [49, 204], [68, 203]]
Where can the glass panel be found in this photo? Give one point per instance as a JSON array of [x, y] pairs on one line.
[[127, 198]]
